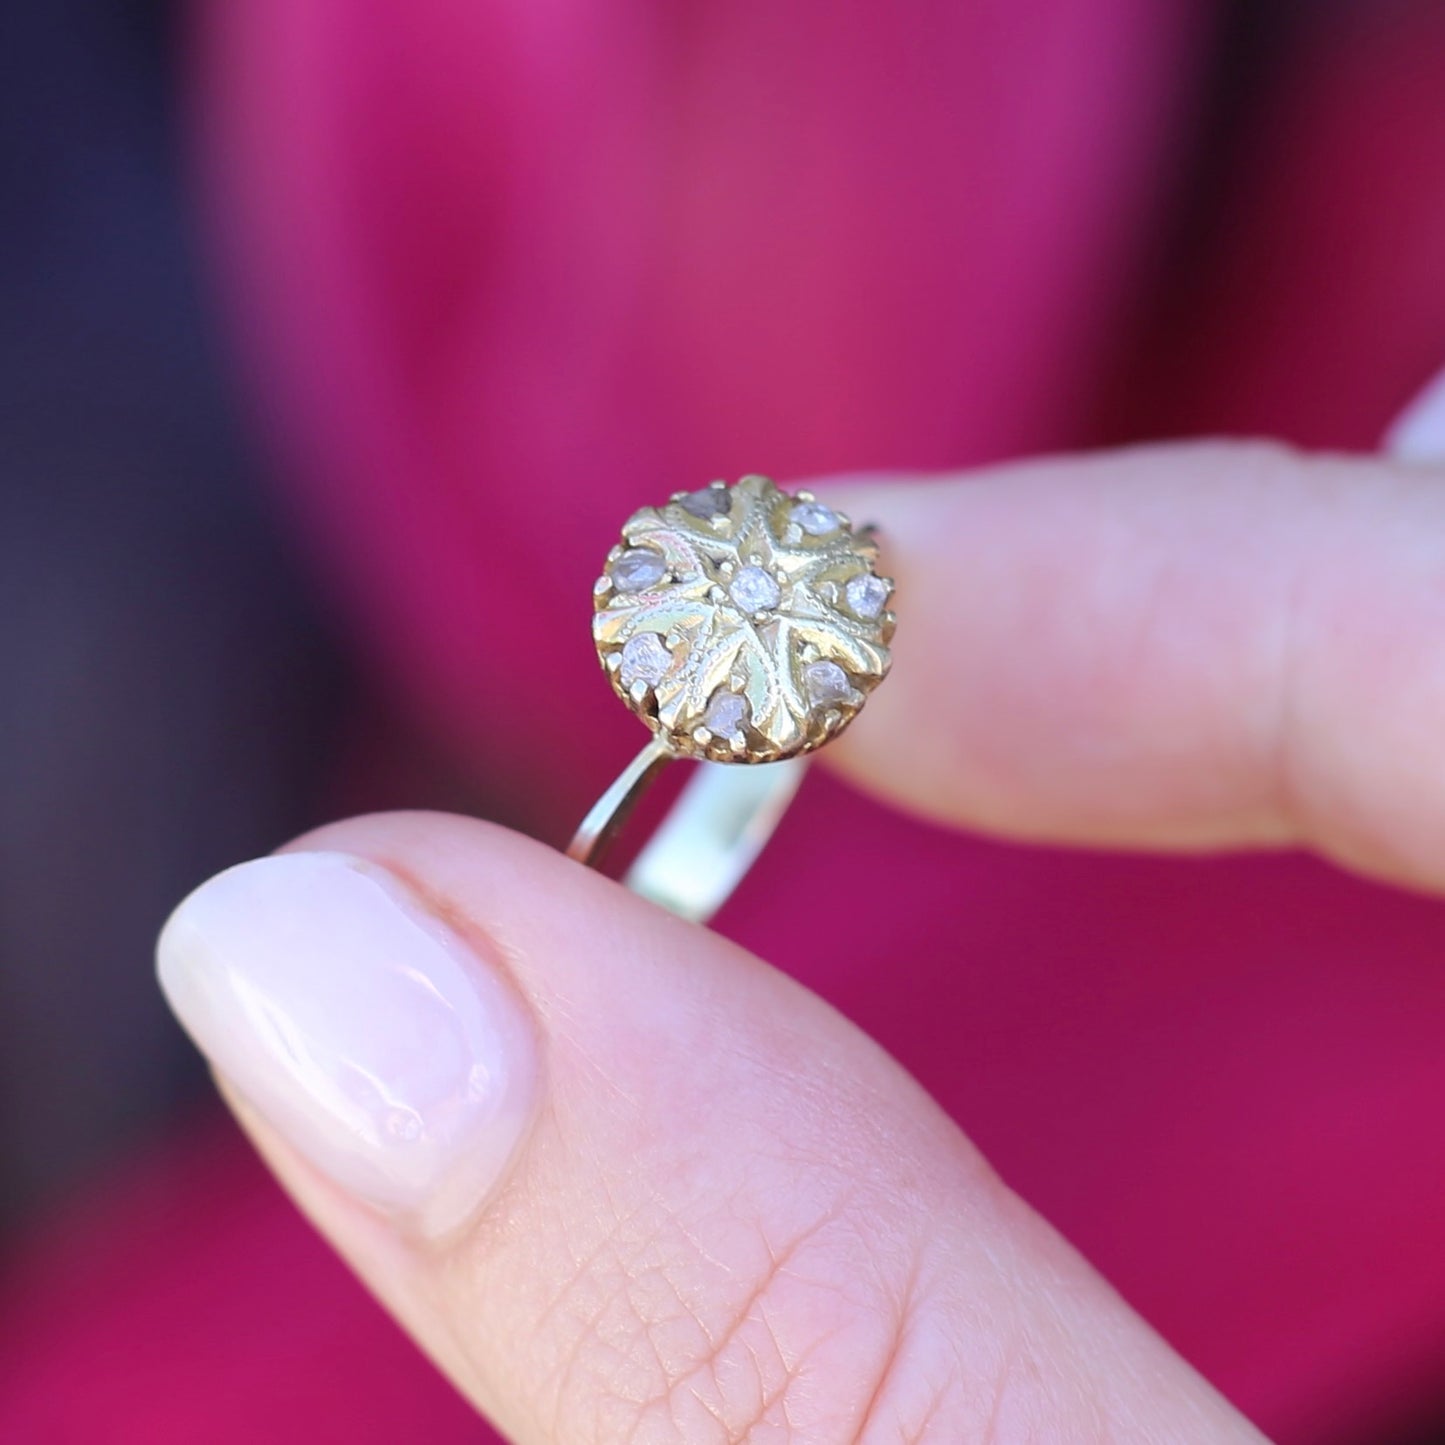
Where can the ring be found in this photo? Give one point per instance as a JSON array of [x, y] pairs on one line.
[[746, 627]]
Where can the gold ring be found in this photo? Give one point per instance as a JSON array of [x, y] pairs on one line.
[[745, 626]]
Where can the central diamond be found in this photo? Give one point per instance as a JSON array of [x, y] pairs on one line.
[[755, 590]]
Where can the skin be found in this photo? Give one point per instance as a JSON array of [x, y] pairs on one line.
[[735, 1217]]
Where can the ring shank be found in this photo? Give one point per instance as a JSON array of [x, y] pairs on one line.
[[707, 842]]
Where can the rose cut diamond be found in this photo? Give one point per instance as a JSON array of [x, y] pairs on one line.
[[710, 502], [645, 658], [866, 595], [638, 569], [826, 682], [726, 714], [815, 519], [755, 590]]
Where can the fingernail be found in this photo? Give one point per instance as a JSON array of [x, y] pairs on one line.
[[359, 1025], [1418, 433]]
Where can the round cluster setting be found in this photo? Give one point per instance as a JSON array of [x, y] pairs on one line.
[[743, 623]]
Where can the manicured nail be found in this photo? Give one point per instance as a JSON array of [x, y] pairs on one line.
[[363, 1028], [1418, 433]]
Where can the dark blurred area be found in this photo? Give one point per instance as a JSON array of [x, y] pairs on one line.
[[167, 689], [175, 694]]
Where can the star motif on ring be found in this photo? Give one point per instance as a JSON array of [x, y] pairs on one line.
[[743, 623]]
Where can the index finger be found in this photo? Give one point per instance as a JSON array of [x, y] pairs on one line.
[[1203, 646]]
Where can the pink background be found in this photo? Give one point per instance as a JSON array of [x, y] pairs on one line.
[[498, 274]]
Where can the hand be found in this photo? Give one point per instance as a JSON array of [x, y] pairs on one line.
[[623, 1181]]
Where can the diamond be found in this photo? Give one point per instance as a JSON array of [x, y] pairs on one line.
[[826, 682], [645, 658], [709, 503], [726, 714], [638, 569], [815, 519], [866, 595], [755, 590]]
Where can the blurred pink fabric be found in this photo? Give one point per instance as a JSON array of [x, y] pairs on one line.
[[502, 272]]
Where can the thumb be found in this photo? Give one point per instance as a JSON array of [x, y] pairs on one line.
[[621, 1180]]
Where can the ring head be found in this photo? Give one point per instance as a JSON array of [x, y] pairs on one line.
[[743, 623]]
